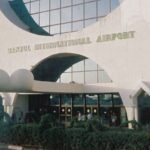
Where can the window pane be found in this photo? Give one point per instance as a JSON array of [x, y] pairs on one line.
[[77, 25], [114, 4], [103, 7], [103, 77], [66, 15], [78, 100], [89, 22], [46, 29], [78, 66], [69, 69], [66, 27], [78, 12], [36, 18], [117, 99], [91, 77], [91, 99], [55, 29], [28, 7], [99, 68], [90, 65], [65, 3], [89, 0], [55, 4], [44, 18], [26, 1], [55, 17], [66, 99], [90, 10], [35, 7], [66, 78], [78, 77], [106, 99], [54, 99], [44, 5], [77, 1]]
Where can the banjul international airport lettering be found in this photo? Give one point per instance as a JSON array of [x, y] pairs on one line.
[[115, 36], [25, 48], [74, 42], [67, 43]]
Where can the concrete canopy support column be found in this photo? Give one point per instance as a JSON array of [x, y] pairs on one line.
[[136, 113], [129, 103], [8, 102], [21, 103], [135, 108], [130, 114]]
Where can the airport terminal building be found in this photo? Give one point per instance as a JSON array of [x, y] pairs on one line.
[[69, 56]]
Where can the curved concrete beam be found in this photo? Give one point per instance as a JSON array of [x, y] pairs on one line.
[[52, 67], [8, 13]]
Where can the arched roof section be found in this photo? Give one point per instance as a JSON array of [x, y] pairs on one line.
[[22, 12], [52, 67]]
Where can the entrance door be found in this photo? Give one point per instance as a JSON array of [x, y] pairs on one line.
[[66, 108]]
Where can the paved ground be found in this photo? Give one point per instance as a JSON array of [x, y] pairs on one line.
[[3, 147], [9, 147], [13, 147]]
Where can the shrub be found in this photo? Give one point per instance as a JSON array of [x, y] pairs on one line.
[[74, 137], [22, 134], [80, 139], [54, 139], [93, 136], [1, 111], [95, 125], [47, 121], [89, 125], [73, 122], [4, 132], [32, 117]]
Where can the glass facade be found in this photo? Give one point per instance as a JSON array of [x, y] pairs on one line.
[[67, 106], [85, 72], [62, 16]]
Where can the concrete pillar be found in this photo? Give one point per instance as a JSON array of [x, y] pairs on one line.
[[130, 114]]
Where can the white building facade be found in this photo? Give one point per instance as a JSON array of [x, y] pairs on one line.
[[32, 64]]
